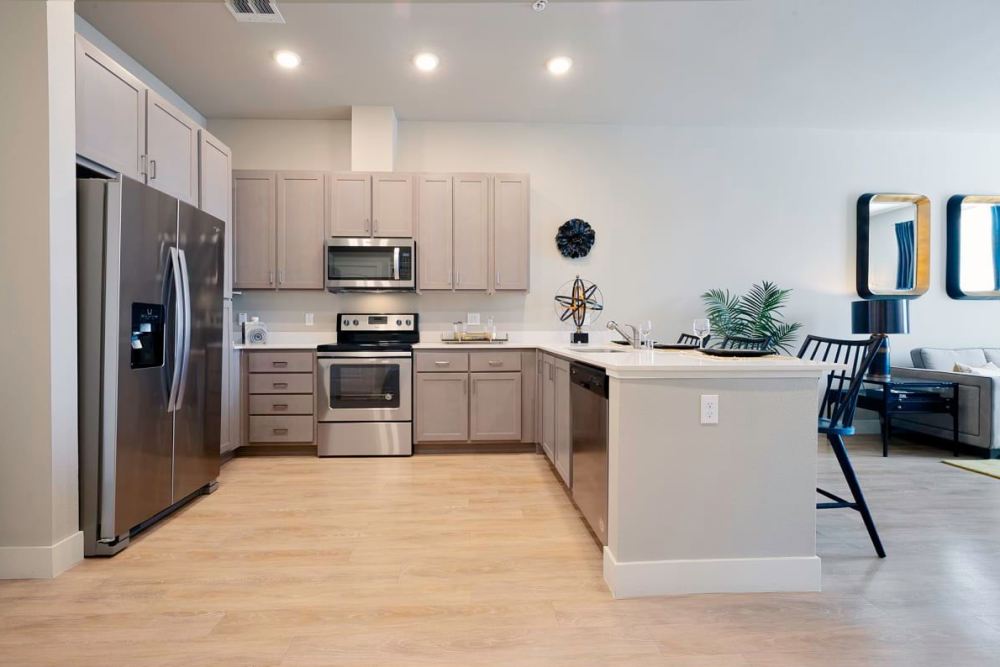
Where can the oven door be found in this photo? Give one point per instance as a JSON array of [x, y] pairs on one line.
[[364, 389], [370, 264]]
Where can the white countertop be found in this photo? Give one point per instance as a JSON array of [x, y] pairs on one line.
[[623, 363]]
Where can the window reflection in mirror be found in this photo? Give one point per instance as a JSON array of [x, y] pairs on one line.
[[974, 247]]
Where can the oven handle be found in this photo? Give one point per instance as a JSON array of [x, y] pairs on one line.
[[326, 362]]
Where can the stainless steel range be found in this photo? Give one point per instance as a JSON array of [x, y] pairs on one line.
[[365, 386]]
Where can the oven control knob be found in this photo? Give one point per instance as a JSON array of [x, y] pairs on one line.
[[347, 323], [355, 323], [408, 322], [399, 322]]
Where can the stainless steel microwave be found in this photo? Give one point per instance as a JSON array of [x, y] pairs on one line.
[[376, 265]]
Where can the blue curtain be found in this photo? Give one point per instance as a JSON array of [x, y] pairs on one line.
[[907, 246], [996, 248]]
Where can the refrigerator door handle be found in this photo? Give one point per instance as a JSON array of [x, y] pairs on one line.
[[187, 330], [179, 327]]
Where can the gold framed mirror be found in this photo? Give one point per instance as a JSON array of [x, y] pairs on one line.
[[894, 245]]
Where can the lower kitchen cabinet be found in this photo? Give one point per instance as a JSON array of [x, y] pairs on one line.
[[471, 397], [281, 397], [442, 407], [495, 406], [556, 439]]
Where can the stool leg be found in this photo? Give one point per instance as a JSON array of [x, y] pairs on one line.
[[837, 442]]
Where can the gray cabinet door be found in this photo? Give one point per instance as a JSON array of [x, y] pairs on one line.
[[563, 446], [392, 205], [510, 232], [351, 204], [215, 192], [472, 238], [495, 407], [442, 407], [110, 112], [547, 438], [254, 229], [301, 225], [434, 232], [171, 149]]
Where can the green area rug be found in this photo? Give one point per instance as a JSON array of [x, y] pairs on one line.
[[989, 467]]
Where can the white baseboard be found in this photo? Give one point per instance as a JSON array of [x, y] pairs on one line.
[[723, 575], [41, 562]]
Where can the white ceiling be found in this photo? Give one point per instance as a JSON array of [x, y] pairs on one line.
[[907, 64]]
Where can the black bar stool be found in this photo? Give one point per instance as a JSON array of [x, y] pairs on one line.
[[836, 413], [691, 339], [744, 343]]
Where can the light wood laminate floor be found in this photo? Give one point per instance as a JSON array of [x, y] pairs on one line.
[[482, 560]]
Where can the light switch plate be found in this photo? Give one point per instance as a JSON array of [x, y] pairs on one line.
[[310, 319], [243, 318], [472, 318], [709, 408]]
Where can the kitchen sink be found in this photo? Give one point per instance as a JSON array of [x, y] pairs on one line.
[[602, 350]]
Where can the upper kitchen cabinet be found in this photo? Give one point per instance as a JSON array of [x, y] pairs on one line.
[[434, 232], [472, 238], [301, 229], [510, 232], [392, 205], [379, 205], [110, 112], [351, 204], [215, 191], [254, 229], [171, 150], [279, 223]]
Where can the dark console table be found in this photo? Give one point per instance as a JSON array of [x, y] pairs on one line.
[[893, 397]]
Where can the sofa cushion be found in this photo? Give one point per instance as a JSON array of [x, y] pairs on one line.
[[989, 370], [942, 359], [992, 354]]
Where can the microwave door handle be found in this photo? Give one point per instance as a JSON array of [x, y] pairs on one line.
[[178, 290], [395, 263]]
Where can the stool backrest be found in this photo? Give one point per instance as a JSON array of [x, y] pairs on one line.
[[743, 343], [691, 339], [842, 385]]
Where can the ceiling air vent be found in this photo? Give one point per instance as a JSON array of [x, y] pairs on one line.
[[255, 11]]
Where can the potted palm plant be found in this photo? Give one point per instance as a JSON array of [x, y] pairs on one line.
[[756, 314]]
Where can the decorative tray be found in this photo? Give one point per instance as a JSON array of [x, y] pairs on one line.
[[716, 352]]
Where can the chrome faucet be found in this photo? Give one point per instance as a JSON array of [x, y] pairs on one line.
[[633, 340]]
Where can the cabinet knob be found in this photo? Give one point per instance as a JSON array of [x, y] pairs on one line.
[[280, 385], [280, 431], [495, 363], [442, 363]]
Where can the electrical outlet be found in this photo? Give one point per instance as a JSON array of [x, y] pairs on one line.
[[243, 318], [472, 318], [310, 319], [709, 408]]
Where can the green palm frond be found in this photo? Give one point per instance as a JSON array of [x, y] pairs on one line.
[[755, 314]]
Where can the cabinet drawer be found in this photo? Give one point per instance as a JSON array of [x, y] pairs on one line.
[[281, 362], [295, 404], [281, 429], [429, 362], [495, 361], [280, 383]]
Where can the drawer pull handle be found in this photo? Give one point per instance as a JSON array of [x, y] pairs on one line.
[[279, 364], [280, 406], [442, 363], [495, 363], [280, 431], [279, 385]]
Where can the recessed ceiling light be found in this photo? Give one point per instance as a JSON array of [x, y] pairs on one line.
[[287, 59], [559, 65], [426, 62]]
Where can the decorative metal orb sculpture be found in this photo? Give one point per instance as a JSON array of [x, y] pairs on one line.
[[574, 300], [575, 238]]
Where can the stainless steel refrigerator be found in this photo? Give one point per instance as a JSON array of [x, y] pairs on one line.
[[150, 282]]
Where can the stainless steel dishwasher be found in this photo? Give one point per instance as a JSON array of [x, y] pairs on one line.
[[588, 395]]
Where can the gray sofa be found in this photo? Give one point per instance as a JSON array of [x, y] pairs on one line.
[[979, 397]]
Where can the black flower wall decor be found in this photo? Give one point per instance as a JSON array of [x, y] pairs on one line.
[[575, 238]]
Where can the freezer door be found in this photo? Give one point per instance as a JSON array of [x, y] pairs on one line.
[[198, 413], [140, 307]]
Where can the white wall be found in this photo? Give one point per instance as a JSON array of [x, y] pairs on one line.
[[39, 534], [677, 211], [97, 38]]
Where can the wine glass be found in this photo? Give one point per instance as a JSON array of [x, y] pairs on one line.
[[702, 327], [645, 329]]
